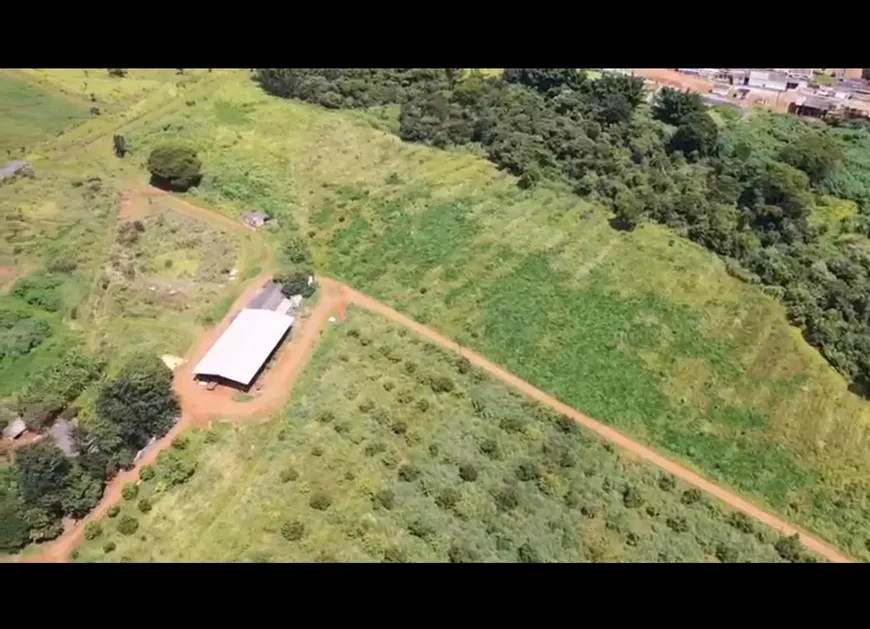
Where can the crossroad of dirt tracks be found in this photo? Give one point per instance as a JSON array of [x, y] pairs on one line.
[[199, 407]]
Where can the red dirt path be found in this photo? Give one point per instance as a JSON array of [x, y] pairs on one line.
[[198, 407]]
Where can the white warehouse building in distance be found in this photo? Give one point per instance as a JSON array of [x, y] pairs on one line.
[[250, 340]]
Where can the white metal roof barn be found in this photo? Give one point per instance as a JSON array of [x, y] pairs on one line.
[[244, 346]]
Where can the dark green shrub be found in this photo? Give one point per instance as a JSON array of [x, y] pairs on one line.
[[506, 498], [40, 291], [422, 405], [726, 554], [490, 448], [144, 505], [468, 472], [93, 530], [410, 367], [409, 473], [528, 471], [512, 424], [109, 547], [180, 443], [566, 425], [130, 491], [366, 406], [677, 524], [690, 496], [632, 539], [174, 167], [741, 522], [420, 528], [394, 555], [288, 474], [461, 554], [175, 467], [146, 473], [571, 499], [631, 497], [385, 498], [113, 511], [374, 448], [448, 498], [667, 482], [317, 451], [292, 530], [433, 449], [296, 283], [527, 554], [463, 366], [325, 416], [441, 384], [789, 548], [399, 427], [128, 525], [295, 251], [320, 501]]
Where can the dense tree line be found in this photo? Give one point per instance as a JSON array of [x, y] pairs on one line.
[[745, 193], [45, 484], [348, 88]]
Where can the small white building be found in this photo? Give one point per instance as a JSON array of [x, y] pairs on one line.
[[763, 79], [244, 347], [15, 429]]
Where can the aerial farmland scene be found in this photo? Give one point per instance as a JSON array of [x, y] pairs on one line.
[[546, 315]]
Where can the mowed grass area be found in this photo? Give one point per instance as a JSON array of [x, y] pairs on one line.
[[645, 330], [30, 114], [393, 450]]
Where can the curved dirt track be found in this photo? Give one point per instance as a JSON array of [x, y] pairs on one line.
[[353, 297], [198, 407]]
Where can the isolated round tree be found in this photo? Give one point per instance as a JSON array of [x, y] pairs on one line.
[[174, 167]]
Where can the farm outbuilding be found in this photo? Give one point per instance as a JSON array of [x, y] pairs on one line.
[[15, 429], [13, 169], [244, 348], [62, 433], [269, 298], [256, 219], [812, 106]]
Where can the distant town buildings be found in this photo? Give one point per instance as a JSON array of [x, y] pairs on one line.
[[813, 92]]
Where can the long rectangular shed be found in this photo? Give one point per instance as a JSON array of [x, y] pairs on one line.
[[245, 346]]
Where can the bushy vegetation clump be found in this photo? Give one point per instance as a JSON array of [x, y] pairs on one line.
[[44, 485], [174, 167]]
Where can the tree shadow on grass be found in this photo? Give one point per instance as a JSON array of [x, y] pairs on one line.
[[175, 184]]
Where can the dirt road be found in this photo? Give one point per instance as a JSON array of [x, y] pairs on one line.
[[198, 407], [729, 498]]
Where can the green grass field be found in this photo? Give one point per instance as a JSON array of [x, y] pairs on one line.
[[370, 463], [29, 114], [644, 330]]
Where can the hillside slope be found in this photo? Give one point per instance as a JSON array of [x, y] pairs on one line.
[[643, 330]]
